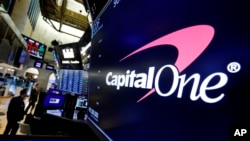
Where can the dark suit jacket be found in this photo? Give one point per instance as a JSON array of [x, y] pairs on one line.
[[33, 95], [16, 109]]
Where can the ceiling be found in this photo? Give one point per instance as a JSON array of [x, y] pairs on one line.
[[73, 13], [66, 12]]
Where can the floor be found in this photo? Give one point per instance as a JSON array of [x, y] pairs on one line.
[[4, 102]]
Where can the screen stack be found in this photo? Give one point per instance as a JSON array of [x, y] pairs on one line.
[[71, 81]]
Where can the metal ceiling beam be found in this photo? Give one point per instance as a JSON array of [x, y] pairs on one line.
[[63, 9], [51, 11]]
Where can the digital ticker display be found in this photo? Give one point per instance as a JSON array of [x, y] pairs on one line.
[[170, 70], [71, 81]]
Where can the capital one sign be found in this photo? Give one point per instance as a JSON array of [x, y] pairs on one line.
[[190, 43]]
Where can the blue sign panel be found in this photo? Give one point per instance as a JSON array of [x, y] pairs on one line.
[[170, 70]]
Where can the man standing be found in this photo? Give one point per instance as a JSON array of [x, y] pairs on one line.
[[15, 113], [33, 98]]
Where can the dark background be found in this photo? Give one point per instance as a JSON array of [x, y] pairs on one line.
[[132, 24]]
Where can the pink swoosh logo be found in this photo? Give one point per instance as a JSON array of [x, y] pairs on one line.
[[190, 43]]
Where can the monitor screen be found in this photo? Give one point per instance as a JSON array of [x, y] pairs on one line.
[[69, 56], [170, 70], [55, 91], [49, 67], [38, 64], [71, 81], [81, 102], [54, 99], [36, 49]]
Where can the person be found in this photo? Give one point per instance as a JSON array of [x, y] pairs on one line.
[[15, 113], [80, 114], [33, 98]]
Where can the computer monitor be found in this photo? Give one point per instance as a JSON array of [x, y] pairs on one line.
[[53, 101], [35, 49], [71, 81]]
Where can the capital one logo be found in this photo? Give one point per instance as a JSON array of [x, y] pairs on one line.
[[190, 43]]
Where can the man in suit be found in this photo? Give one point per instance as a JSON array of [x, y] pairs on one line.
[[33, 98], [15, 113]]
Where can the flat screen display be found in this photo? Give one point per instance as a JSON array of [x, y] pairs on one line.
[[69, 56], [71, 81], [36, 49], [49, 67], [55, 91], [81, 102], [54, 101], [38, 64], [170, 70]]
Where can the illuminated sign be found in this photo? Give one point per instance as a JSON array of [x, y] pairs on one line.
[[145, 81], [70, 62], [49, 67], [54, 100], [68, 53], [69, 56], [178, 72], [54, 91], [185, 58], [38, 64]]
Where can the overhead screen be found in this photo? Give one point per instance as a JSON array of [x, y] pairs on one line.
[[69, 56], [36, 49], [170, 70]]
